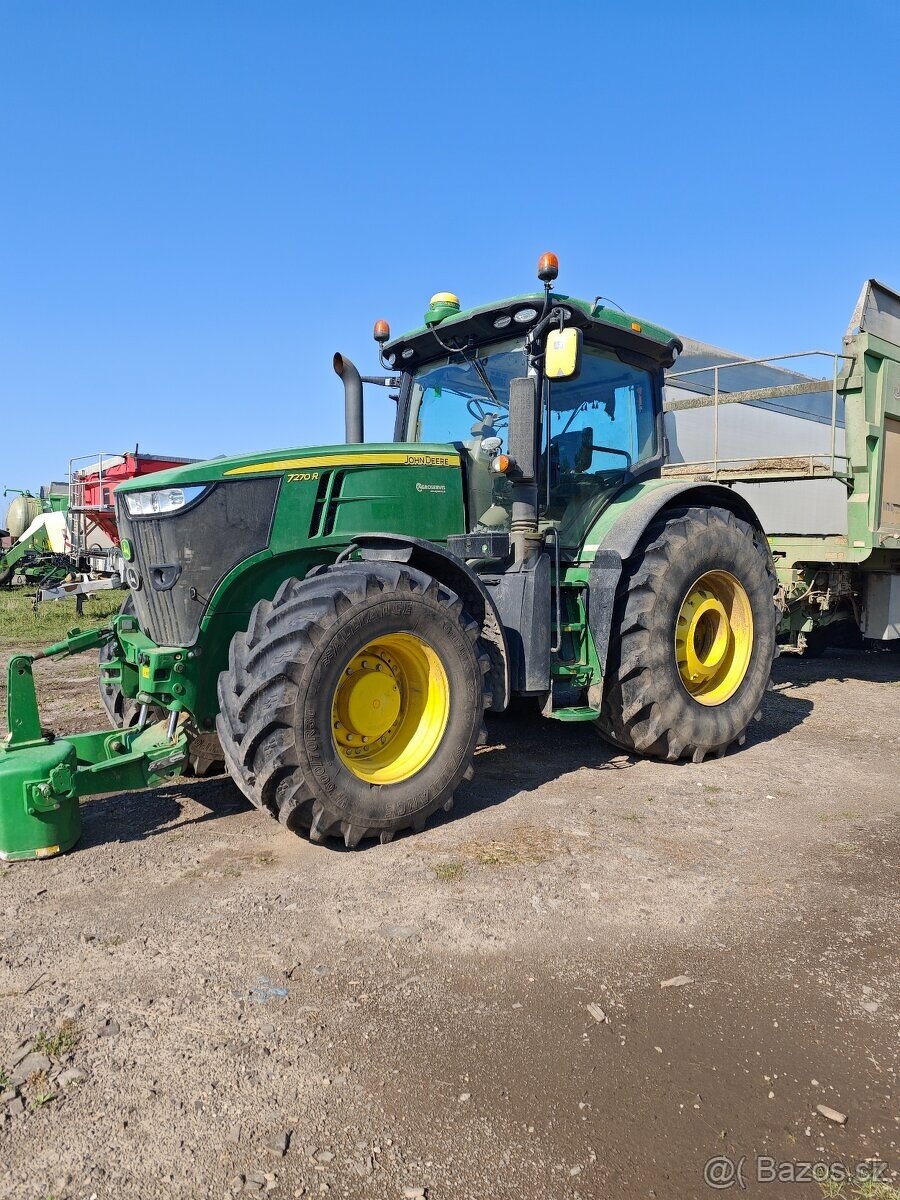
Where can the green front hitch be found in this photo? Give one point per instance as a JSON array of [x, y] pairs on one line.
[[42, 778]]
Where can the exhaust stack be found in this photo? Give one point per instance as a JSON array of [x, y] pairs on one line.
[[353, 398]]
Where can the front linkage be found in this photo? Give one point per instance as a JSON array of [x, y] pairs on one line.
[[43, 777]]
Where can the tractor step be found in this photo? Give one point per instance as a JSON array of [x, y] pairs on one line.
[[575, 713]]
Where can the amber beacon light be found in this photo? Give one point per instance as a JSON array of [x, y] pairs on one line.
[[548, 267]]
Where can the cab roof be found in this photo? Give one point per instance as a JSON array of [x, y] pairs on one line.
[[601, 325]]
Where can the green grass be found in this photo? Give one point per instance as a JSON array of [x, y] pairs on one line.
[[864, 1189], [876, 1189], [53, 619], [60, 1043], [449, 872], [832, 1189]]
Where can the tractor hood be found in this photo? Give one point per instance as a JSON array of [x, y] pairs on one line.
[[279, 462], [191, 535]]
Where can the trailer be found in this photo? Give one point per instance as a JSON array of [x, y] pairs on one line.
[[93, 478], [811, 440]]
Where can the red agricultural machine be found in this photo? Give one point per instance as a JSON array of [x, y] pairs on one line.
[[92, 514], [65, 542]]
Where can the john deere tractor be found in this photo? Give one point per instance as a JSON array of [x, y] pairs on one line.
[[333, 622]]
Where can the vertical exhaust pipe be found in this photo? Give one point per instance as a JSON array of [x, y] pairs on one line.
[[353, 398]]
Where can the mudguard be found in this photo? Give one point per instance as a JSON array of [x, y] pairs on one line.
[[441, 564], [621, 540]]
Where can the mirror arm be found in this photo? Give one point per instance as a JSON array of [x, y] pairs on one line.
[[555, 314]]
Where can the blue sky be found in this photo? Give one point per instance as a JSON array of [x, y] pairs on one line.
[[200, 202]]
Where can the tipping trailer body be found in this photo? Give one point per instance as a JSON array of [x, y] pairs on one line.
[[818, 458]]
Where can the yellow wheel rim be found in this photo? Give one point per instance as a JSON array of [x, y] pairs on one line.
[[714, 637], [390, 708]]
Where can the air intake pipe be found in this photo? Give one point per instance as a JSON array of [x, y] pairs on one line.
[[353, 399]]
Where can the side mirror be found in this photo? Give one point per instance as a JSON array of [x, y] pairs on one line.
[[562, 358]]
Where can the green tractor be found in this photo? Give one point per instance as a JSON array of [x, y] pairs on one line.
[[334, 622]]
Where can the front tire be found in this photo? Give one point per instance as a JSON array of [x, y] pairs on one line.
[[693, 637], [353, 704]]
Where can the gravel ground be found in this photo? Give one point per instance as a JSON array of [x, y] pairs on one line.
[[214, 1007]]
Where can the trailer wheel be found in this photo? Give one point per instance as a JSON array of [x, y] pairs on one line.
[[205, 756], [693, 637], [353, 704]]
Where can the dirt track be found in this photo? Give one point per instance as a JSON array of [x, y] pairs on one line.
[[415, 1016]]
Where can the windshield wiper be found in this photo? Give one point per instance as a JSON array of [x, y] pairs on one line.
[[483, 376]]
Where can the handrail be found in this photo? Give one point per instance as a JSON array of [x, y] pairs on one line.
[[808, 386], [757, 362], [77, 507]]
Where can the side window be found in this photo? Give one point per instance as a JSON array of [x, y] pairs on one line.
[[601, 425]]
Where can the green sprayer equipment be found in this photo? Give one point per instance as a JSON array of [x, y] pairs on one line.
[[35, 539], [332, 623]]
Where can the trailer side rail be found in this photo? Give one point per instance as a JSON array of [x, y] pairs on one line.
[[731, 468]]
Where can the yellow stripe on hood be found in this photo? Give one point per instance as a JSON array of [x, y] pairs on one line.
[[403, 458]]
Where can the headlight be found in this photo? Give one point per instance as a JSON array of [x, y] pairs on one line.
[[158, 503], [525, 314]]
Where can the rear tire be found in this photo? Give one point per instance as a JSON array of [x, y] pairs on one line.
[[693, 637], [374, 653]]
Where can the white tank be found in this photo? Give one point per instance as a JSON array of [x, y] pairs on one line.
[[20, 514]]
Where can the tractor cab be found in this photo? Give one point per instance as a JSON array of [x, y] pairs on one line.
[[596, 416]]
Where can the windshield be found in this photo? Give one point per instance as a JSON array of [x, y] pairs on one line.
[[452, 400], [602, 425]]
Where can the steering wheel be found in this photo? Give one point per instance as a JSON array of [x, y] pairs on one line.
[[614, 450]]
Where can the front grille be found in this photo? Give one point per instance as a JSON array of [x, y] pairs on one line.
[[195, 547]]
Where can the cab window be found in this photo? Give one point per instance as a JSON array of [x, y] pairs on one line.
[[602, 426]]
